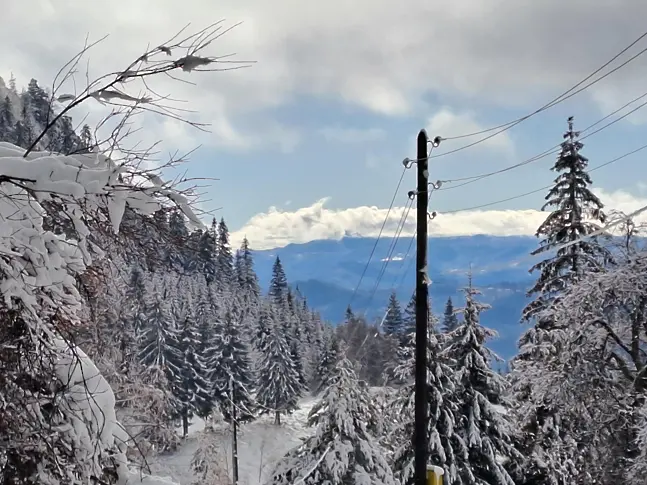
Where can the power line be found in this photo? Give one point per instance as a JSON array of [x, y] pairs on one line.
[[391, 250], [552, 150], [525, 194], [377, 240], [561, 98]]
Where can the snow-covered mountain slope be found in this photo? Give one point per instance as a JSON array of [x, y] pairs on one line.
[[260, 445], [328, 271]]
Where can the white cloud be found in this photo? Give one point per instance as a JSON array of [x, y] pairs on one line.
[[277, 228], [445, 122], [376, 55]]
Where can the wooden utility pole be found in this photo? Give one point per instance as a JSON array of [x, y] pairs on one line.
[[422, 310], [234, 435]]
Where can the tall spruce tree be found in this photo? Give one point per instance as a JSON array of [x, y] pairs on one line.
[[446, 447], [278, 284], [484, 425], [185, 367], [224, 257], [342, 450], [450, 319], [278, 378], [393, 321], [229, 365], [157, 331], [576, 212]]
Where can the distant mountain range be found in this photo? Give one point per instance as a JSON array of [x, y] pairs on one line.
[[327, 273]]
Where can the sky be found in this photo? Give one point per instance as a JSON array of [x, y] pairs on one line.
[[308, 141]]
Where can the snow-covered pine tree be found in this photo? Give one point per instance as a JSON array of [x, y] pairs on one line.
[[132, 318], [186, 369], [278, 284], [278, 379], [157, 331], [409, 318], [447, 448], [577, 212], [484, 425], [450, 319], [342, 451], [224, 258], [228, 358], [207, 253], [329, 360], [393, 321]]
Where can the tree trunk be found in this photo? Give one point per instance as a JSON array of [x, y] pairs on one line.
[[277, 418]]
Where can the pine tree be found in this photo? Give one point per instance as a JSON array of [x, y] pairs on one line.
[[228, 360], [133, 319], [328, 362], [224, 257], [156, 332], [278, 379], [342, 451], [278, 284], [576, 211], [450, 320], [409, 317], [484, 427], [393, 321], [7, 121], [186, 369], [446, 447]]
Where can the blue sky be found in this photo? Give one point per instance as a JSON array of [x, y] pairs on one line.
[[339, 92]]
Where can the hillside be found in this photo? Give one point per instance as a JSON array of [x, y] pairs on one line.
[[328, 271]]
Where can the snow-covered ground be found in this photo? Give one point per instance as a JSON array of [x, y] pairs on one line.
[[260, 445]]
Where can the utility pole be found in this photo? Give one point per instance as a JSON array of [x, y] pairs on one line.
[[234, 435], [422, 311]]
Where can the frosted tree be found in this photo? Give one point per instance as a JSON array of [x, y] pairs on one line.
[[224, 257], [278, 378], [576, 212], [278, 284], [483, 424], [342, 451], [246, 278], [157, 331], [186, 369], [329, 360], [393, 321], [450, 319], [228, 363], [447, 447]]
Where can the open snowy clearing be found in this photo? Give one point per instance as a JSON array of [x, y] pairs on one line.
[[260, 445]]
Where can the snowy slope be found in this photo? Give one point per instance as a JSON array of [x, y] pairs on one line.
[[260, 445]]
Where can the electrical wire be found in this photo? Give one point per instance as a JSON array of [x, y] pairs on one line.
[[552, 150], [546, 187], [391, 250], [563, 97], [377, 240]]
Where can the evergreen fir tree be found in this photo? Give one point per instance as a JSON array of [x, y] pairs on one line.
[[409, 317], [576, 213], [278, 284], [133, 319], [186, 369], [446, 447], [328, 362], [157, 331], [393, 321], [342, 450], [228, 360], [224, 257], [207, 253], [278, 378], [450, 320], [485, 429]]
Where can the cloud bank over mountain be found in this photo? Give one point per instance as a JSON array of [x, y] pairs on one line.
[[278, 228]]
